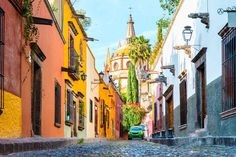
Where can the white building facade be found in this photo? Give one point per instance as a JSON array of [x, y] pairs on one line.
[[198, 100]]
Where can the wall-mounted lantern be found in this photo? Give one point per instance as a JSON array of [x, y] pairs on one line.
[[83, 76], [170, 67], [98, 81], [160, 79], [187, 34]]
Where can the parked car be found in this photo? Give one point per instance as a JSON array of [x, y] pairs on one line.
[[135, 132], [145, 130]]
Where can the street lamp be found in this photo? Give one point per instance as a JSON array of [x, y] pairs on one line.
[[187, 33], [98, 81], [101, 74]]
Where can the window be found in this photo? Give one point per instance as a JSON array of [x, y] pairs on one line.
[[81, 114], [116, 66], [57, 105], [57, 8], [108, 118], [102, 113], [229, 70], [155, 114], [81, 50], [2, 31], [73, 60], [91, 111], [69, 108], [183, 102]]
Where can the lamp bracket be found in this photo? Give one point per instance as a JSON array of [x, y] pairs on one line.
[[203, 16], [186, 48], [171, 67]]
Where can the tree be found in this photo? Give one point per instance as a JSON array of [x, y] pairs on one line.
[[132, 115], [86, 22], [169, 5], [139, 50], [134, 82], [129, 86], [132, 87]]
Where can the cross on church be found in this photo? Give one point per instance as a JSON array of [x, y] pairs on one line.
[[130, 8]]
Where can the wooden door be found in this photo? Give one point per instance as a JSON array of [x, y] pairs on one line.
[[36, 99], [171, 114], [203, 96]]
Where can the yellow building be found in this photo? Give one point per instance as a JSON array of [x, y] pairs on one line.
[[74, 73], [106, 112]]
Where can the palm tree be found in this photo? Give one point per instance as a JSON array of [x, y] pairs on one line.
[[139, 52]]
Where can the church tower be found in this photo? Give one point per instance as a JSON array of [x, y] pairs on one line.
[[118, 63], [130, 31]]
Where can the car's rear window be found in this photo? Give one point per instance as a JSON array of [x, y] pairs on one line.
[[136, 129]]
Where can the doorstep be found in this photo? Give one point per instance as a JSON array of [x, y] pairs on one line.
[[209, 140]]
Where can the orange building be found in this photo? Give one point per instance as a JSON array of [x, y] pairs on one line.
[[42, 94]]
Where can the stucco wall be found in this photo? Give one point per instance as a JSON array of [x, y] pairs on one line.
[[11, 118], [201, 37]]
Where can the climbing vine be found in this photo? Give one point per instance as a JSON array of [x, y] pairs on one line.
[[162, 24], [31, 32]]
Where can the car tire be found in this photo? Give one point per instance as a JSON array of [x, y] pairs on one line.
[[129, 138]]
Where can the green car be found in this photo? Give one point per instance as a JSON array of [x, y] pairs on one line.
[[135, 132]]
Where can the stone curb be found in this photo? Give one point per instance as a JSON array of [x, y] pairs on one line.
[[14, 146], [226, 141]]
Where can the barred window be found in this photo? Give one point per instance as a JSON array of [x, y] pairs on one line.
[[2, 34], [183, 102], [229, 70], [91, 111], [57, 105]]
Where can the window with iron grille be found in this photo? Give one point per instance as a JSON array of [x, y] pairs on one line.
[[102, 113], [91, 111], [81, 114], [183, 102], [69, 107], [73, 60], [108, 118], [155, 114], [229, 70], [57, 105], [2, 34]]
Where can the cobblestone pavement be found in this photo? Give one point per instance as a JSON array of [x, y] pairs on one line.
[[135, 148]]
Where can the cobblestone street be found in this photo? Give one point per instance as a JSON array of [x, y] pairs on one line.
[[133, 148]]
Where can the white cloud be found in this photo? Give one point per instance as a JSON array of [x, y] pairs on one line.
[[149, 34]]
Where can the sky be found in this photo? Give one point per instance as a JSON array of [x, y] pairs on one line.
[[109, 23]]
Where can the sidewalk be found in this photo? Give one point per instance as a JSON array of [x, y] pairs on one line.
[[8, 145], [208, 140]]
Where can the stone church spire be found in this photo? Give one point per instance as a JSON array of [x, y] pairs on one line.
[[130, 32]]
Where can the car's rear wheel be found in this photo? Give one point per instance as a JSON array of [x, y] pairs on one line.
[[129, 138]]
